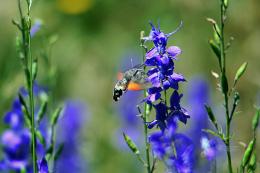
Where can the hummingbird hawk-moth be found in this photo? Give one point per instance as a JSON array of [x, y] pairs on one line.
[[132, 79]]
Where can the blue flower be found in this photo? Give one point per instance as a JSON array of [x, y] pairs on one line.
[[43, 166], [36, 27], [14, 118], [162, 77], [164, 144], [209, 147], [16, 140], [70, 124]]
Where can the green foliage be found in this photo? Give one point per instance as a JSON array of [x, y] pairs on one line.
[[240, 72], [130, 143]]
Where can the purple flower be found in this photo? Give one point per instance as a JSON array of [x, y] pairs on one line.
[[36, 27], [16, 140], [209, 148], [43, 166], [69, 127], [164, 144], [162, 76]]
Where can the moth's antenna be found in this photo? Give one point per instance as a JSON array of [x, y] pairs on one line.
[[176, 30], [132, 62]]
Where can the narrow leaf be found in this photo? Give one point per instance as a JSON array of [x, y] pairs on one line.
[[34, 69], [224, 84], [226, 3], [55, 116], [42, 111], [215, 49], [49, 152], [248, 153], [212, 133], [240, 72], [59, 151], [131, 144], [252, 164], [40, 137], [27, 118], [255, 121], [211, 116]]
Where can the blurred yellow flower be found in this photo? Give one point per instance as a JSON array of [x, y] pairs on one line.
[[74, 6]]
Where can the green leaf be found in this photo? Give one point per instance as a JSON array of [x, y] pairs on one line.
[[58, 152], [226, 3], [27, 118], [240, 72], [252, 164], [25, 110], [215, 48], [22, 101], [255, 121], [212, 133], [34, 69], [248, 153], [216, 29], [224, 84], [131, 144], [211, 116], [27, 74], [42, 111], [40, 137], [55, 116], [49, 152]]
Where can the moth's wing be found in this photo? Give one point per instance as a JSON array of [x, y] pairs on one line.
[[132, 86], [120, 75]]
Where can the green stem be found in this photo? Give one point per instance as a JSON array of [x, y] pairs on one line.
[[223, 59], [31, 95], [26, 40], [147, 145]]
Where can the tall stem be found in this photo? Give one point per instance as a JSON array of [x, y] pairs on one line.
[[147, 145], [31, 95], [223, 60], [26, 46]]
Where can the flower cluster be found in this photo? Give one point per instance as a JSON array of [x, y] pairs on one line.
[[17, 138], [175, 149], [161, 75]]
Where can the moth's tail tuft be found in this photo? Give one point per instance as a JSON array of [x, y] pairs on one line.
[[117, 94]]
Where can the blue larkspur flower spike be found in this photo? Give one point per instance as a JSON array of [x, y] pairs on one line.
[[161, 75]]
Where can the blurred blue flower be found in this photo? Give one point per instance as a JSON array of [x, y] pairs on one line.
[[209, 148], [164, 144], [35, 27], [69, 128], [16, 140], [198, 92], [43, 166]]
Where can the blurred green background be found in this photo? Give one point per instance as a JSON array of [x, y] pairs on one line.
[[93, 36]]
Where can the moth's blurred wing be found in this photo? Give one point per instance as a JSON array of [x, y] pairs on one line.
[[120, 75], [132, 86]]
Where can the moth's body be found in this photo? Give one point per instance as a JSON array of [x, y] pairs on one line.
[[132, 79]]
